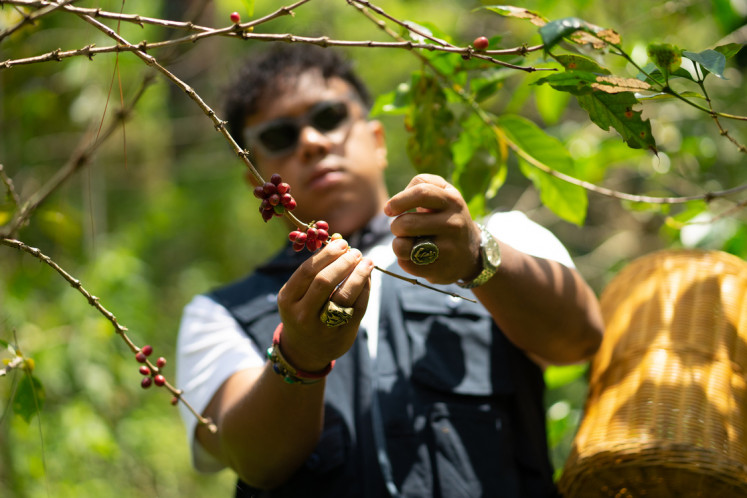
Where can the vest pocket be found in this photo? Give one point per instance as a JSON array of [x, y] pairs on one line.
[[472, 453], [454, 345]]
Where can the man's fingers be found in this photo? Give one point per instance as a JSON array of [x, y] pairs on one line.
[[298, 284], [423, 193], [348, 293]]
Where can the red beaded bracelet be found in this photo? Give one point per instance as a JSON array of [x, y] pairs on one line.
[[291, 374]]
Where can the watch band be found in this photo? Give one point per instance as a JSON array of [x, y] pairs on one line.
[[490, 256]]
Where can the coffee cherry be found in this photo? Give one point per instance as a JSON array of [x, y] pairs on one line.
[[283, 188], [146, 382], [141, 357], [275, 179], [174, 401], [311, 245], [322, 235], [159, 380], [298, 246], [270, 188], [481, 43], [293, 236], [259, 192], [235, 17], [274, 200], [145, 370], [322, 225], [147, 350], [267, 214], [290, 205], [161, 362], [311, 233]]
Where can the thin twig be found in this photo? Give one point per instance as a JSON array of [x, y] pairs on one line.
[[30, 18], [94, 301], [9, 187]]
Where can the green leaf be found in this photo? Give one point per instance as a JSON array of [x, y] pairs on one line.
[[432, 124], [550, 104], [573, 27], [616, 111], [396, 102], [29, 397], [665, 56], [559, 375], [566, 200], [479, 166], [711, 60], [574, 62], [518, 12], [249, 8], [729, 50]]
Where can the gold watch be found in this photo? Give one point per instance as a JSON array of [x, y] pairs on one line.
[[490, 254]]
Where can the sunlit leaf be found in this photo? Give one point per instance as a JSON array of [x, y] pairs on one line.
[[249, 7], [711, 60], [560, 375], [575, 62], [566, 200], [518, 12], [29, 397], [555, 31]]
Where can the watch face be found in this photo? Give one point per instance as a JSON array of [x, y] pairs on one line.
[[492, 250]]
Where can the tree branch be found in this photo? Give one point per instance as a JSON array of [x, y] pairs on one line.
[[121, 330]]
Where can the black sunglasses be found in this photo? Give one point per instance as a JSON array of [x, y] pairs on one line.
[[280, 136]]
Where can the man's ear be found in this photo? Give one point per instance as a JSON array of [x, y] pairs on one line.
[[377, 129]]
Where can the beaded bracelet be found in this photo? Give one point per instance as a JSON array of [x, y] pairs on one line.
[[291, 374]]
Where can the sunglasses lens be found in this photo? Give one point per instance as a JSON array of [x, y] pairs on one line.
[[280, 137], [330, 116]]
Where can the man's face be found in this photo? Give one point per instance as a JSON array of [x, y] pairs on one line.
[[335, 167]]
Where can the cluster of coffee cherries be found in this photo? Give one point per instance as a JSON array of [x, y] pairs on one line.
[[276, 198], [313, 238], [150, 377]]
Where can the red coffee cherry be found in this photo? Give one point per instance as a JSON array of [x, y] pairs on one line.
[[147, 350], [146, 382], [141, 357], [174, 401], [161, 362], [235, 17], [481, 43], [145, 370], [159, 380]]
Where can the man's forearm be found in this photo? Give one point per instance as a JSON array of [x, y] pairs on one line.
[[266, 427], [543, 307]]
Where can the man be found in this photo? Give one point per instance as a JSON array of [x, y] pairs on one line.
[[428, 395]]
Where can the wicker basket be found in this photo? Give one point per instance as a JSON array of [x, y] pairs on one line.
[[666, 411]]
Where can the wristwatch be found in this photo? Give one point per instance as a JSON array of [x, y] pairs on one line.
[[490, 254]]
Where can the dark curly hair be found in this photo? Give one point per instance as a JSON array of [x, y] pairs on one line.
[[257, 77]]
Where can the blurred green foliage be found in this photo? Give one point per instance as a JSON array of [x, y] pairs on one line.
[[162, 212]]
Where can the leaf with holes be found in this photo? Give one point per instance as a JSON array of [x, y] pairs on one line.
[[616, 110]]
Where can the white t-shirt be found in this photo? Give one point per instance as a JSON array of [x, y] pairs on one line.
[[211, 346]]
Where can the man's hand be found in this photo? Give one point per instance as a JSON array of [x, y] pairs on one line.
[[430, 206], [307, 343]]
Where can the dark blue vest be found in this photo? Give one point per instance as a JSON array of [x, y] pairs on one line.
[[460, 406]]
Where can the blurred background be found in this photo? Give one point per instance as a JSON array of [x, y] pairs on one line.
[[162, 213]]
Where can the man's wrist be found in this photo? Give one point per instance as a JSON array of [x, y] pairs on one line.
[[490, 259]]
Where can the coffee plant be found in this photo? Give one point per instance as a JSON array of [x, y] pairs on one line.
[[110, 117]]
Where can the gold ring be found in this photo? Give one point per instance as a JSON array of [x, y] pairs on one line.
[[334, 315], [424, 252]]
